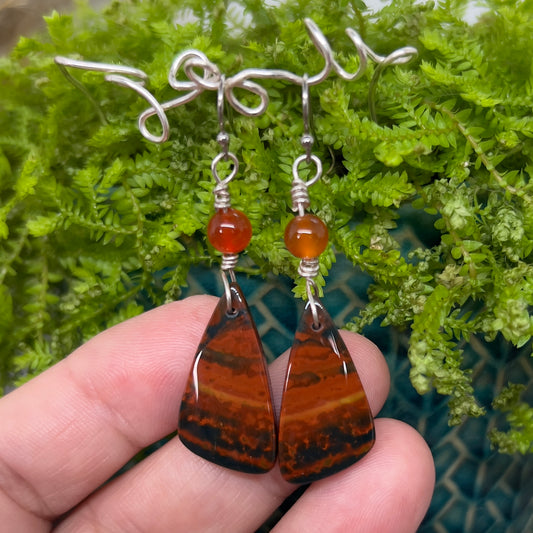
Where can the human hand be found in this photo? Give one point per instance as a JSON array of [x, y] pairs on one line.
[[66, 432]]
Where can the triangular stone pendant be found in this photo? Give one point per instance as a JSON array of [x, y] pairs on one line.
[[226, 414], [325, 421]]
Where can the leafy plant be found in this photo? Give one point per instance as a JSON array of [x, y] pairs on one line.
[[97, 224]]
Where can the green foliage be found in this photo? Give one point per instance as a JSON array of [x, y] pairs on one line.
[[96, 223]]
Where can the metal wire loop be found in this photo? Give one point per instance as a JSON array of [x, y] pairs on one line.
[[300, 188], [398, 57], [310, 286], [216, 160], [296, 169], [253, 88], [230, 310]]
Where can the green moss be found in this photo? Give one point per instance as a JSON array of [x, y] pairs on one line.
[[90, 210]]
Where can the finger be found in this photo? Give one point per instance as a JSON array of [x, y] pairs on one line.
[[388, 491], [16, 519], [68, 430], [187, 493]]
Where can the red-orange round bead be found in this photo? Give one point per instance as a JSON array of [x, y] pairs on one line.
[[306, 236], [229, 231]]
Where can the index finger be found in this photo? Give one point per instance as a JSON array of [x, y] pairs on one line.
[[67, 431]]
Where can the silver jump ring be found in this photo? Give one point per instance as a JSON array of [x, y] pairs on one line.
[[227, 290], [216, 160], [310, 284], [301, 159], [208, 80]]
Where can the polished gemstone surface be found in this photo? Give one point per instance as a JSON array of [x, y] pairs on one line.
[[229, 231], [325, 421], [306, 236], [226, 414]]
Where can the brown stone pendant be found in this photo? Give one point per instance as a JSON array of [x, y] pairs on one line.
[[325, 421], [226, 414]]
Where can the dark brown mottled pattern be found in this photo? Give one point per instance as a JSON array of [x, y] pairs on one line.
[[325, 421], [226, 414]]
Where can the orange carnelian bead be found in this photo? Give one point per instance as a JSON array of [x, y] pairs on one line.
[[229, 231], [306, 236]]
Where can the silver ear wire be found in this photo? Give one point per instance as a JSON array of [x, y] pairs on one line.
[[398, 57], [210, 79]]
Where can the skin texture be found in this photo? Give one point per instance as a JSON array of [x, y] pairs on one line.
[[65, 433]]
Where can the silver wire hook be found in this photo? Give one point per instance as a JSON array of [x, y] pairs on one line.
[[220, 102], [398, 57], [307, 139], [222, 137], [305, 104]]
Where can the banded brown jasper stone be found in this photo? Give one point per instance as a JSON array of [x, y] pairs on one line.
[[226, 413], [325, 421]]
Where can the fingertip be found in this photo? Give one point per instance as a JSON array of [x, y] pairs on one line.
[[371, 367], [404, 471], [388, 491], [403, 449]]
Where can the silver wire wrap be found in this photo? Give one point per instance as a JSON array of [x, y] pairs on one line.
[[300, 188], [202, 75], [309, 268], [229, 261]]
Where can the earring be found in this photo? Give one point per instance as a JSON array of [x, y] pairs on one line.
[[226, 413], [325, 421]]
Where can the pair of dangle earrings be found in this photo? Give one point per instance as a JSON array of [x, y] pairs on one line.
[[227, 414]]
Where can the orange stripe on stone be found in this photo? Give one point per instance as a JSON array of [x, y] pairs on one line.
[[226, 414], [325, 420]]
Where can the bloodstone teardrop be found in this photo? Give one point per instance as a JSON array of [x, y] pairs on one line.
[[226, 414], [325, 421]]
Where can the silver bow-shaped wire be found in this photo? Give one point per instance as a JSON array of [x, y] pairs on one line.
[[203, 75]]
